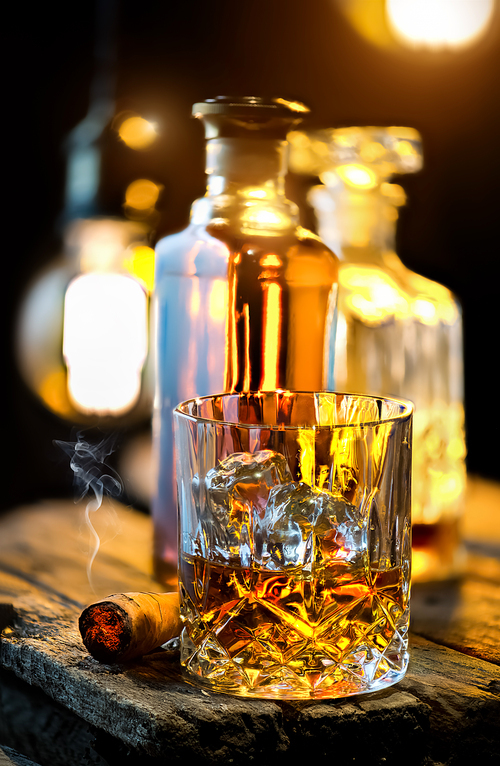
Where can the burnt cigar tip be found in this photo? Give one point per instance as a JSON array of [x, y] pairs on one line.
[[105, 631]]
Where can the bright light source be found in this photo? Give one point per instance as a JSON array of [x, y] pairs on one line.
[[262, 218], [439, 23], [358, 176], [137, 133], [271, 261], [105, 342], [425, 310]]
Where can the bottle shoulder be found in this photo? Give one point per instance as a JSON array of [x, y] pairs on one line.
[[310, 261], [375, 294], [206, 250], [191, 252]]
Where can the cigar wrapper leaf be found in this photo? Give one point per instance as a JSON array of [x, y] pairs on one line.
[[127, 625]]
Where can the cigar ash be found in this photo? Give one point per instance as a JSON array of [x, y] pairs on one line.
[[106, 630]]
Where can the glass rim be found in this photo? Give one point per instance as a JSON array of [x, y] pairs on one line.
[[406, 411]]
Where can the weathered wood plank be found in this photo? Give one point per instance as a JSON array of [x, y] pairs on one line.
[[446, 708], [10, 757], [463, 614], [447, 703]]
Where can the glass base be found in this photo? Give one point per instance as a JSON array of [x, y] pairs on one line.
[[364, 670], [284, 684]]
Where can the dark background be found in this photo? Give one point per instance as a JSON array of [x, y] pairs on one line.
[[169, 56]]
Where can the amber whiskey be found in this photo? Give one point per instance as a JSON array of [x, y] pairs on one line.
[[335, 629]]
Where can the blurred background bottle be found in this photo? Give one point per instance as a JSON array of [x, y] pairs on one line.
[[244, 297], [82, 329], [398, 333]]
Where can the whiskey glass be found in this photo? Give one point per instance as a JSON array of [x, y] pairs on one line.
[[294, 542]]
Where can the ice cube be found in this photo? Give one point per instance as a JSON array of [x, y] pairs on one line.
[[204, 533], [339, 532], [237, 491], [303, 525]]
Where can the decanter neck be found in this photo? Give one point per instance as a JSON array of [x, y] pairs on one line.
[[246, 185], [234, 165]]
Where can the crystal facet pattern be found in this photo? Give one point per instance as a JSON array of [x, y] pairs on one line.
[[295, 543]]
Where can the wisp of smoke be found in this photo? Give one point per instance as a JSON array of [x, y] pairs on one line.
[[93, 477]]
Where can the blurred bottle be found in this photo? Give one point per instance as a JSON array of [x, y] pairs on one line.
[[244, 297], [398, 333], [82, 335]]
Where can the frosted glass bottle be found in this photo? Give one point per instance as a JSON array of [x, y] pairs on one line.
[[244, 297], [398, 333]]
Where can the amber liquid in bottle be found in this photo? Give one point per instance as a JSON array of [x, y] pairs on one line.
[[280, 311]]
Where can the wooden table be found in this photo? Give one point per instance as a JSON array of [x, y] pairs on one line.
[[60, 706]]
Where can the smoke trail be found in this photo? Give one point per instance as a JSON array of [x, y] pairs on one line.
[[91, 478]]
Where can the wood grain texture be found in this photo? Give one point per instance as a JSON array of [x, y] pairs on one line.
[[447, 704], [462, 614], [445, 711]]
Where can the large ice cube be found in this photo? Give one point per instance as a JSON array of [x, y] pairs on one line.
[[303, 525], [236, 492]]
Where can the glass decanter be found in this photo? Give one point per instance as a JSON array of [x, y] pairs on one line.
[[398, 333], [244, 297]]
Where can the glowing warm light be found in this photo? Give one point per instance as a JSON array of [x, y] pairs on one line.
[[306, 439], [439, 23], [449, 485], [272, 313], [256, 193], [101, 243], [456, 449], [262, 218], [141, 265], [421, 561], [246, 324], [394, 192], [53, 391], [371, 294], [425, 310], [217, 307], [326, 409], [105, 342], [344, 462], [365, 307], [358, 176], [142, 194], [137, 133], [295, 106], [271, 260], [371, 151], [406, 149]]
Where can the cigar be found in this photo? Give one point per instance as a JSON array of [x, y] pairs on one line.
[[128, 625]]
